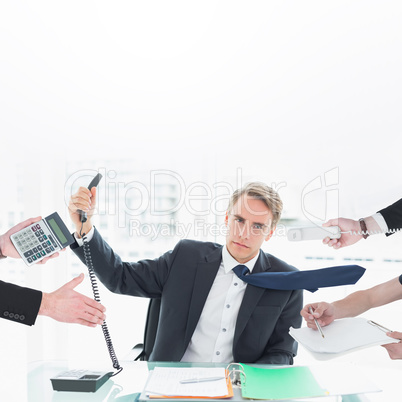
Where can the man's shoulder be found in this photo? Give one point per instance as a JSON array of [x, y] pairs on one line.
[[276, 264], [198, 245]]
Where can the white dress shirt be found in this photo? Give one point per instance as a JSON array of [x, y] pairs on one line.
[[380, 222], [212, 340]]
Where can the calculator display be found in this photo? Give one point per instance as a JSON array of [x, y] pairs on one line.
[[57, 231]]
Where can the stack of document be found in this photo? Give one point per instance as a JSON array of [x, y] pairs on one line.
[[340, 337], [194, 382]]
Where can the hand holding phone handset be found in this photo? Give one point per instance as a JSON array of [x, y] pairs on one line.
[[89, 264], [336, 232], [354, 230]]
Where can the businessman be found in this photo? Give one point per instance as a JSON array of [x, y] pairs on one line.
[[207, 313], [23, 305], [385, 220]]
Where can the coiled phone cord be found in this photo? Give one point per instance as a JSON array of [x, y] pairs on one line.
[[95, 290], [372, 232]]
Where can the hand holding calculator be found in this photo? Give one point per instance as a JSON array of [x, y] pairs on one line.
[[42, 239]]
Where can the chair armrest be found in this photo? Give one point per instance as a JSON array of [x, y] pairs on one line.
[[136, 353]]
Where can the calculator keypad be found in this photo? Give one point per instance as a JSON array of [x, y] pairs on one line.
[[35, 242]]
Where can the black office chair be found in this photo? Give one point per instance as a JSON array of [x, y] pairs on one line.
[[142, 351]]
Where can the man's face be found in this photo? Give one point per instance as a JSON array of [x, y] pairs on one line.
[[249, 224]]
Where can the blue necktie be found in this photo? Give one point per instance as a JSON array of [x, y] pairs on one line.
[[310, 280]]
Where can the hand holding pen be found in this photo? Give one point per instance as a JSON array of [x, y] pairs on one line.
[[316, 322], [322, 314]]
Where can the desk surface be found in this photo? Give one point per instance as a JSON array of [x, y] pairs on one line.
[[128, 385]]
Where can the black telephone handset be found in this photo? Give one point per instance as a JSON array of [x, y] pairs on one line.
[[82, 380]]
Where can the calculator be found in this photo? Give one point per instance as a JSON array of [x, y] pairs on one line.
[[42, 239]]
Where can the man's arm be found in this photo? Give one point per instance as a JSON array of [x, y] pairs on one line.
[[18, 303], [281, 347], [354, 304], [393, 215], [23, 305]]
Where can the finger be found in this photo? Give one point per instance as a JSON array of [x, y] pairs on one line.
[[86, 323], [93, 194], [332, 242], [94, 304], [24, 224], [79, 203], [395, 335], [74, 282], [94, 315]]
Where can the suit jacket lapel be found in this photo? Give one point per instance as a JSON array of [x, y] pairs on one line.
[[204, 277], [251, 297]]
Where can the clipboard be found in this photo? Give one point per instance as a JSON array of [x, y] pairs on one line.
[[342, 336]]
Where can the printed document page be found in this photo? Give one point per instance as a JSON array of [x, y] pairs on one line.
[[166, 381]]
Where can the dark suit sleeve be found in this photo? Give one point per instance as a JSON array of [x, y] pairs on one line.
[[393, 215], [281, 347], [144, 278], [19, 304]]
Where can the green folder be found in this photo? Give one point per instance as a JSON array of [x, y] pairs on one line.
[[279, 383]]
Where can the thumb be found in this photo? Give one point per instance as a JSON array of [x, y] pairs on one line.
[[93, 192], [75, 282], [331, 222], [395, 335]]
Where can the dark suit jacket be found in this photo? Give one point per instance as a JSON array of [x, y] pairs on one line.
[[393, 215], [182, 278], [19, 304]]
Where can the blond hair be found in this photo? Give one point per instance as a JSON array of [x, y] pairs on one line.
[[260, 191]]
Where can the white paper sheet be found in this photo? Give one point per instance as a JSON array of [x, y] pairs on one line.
[[166, 381], [341, 336]]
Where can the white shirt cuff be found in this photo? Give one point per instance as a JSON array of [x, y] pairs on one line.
[[380, 222], [89, 236]]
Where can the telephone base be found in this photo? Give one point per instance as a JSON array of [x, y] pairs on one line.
[[80, 380]]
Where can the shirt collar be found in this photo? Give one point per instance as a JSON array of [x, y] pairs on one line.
[[229, 262]]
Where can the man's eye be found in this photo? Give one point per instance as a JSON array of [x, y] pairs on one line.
[[259, 227], [239, 220]]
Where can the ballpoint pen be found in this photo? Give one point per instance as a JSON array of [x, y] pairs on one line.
[[205, 379], [316, 322]]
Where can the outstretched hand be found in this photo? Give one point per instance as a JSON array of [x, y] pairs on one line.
[[67, 305]]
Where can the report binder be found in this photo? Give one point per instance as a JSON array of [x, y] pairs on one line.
[[276, 383]]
